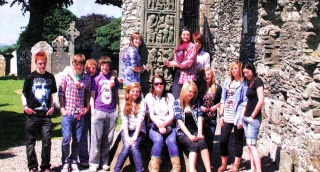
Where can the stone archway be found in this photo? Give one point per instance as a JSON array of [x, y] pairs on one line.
[[190, 15]]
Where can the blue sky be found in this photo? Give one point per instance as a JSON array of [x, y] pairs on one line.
[[12, 19]]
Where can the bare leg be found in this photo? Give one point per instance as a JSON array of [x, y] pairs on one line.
[[206, 159], [192, 161], [255, 157], [224, 163]]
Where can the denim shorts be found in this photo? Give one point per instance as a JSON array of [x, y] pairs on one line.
[[251, 129]]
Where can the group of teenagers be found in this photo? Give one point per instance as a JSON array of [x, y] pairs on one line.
[[89, 101]]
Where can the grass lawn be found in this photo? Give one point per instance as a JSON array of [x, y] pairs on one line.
[[12, 119]]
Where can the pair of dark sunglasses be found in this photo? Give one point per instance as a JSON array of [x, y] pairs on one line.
[[157, 84]]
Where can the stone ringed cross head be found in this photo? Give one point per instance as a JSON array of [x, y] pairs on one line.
[[72, 32]]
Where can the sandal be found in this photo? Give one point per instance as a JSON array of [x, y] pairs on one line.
[[234, 168], [222, 168]]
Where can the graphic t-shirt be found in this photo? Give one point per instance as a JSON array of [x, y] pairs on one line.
[[105, 96], [38, 89]]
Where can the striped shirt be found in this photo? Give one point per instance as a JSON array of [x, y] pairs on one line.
[[133, 120], [228, 107]]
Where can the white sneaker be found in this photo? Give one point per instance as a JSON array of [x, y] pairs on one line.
[[74, 168], [106, 167], [93, 169], [65, 167]]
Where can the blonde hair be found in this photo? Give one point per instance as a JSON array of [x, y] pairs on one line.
[[128, 100], [212, 84], [184, 91], [90, 62], [239, 64]]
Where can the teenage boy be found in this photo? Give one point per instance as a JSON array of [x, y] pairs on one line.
[[72, 106], [37, 102], [104, 106]]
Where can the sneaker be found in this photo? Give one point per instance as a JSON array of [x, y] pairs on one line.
[[34, 170], [74, 167], [106, 167], [93, 169], [65, 167]]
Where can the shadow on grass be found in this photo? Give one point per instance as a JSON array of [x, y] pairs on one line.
[[8, 77], [4, 104], [12, 131], [6, 155]]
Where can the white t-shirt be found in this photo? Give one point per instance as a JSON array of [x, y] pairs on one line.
[[160, 107], [203, 60]]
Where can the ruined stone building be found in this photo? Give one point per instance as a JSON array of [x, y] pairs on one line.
[[281, 37]]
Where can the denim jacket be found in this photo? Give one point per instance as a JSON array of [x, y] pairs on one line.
[[240, 98], [179, 114]]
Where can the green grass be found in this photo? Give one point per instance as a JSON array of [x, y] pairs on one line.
[[12, 119]]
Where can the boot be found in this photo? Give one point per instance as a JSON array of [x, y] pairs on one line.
[[175, 164], [154, 164]]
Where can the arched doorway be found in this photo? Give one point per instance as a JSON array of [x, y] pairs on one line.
[[190, 15]]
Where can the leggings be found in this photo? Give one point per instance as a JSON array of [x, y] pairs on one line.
[[224, 140]]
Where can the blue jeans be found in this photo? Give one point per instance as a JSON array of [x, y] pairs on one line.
[[170, 140], [134, 148], [251, 129], [84, 150], [71, 126]]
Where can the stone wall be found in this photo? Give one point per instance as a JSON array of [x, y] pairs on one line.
[[282, 38]]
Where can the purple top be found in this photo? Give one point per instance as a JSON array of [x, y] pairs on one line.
[[105, 96]]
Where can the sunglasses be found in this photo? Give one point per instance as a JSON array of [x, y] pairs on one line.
[[157, 84]]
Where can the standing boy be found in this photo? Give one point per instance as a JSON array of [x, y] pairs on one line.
[[104, 106], [72, 106], [37, 102]]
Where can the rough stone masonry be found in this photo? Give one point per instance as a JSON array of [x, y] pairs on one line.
[[282, 38]]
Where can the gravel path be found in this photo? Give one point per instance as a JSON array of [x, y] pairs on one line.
[[14, 159]]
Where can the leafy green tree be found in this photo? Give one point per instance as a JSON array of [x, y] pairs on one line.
[[39, 8], [87, 26], [56, 22], [108, 36]]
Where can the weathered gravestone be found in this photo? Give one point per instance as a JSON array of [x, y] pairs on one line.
[[60, 58], [2, 65], [41, 46], [24, 57], [13, 64], [96, 53]]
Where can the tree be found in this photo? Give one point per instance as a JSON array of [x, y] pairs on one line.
[[117, 3], [56, 22], [108, 36], [87, 27]]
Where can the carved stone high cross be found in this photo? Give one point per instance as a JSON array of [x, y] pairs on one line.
[[73, 32]]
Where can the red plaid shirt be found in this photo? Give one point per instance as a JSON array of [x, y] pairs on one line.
[[188, 64], [74, 97]]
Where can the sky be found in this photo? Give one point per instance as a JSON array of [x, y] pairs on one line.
[[12, 20]]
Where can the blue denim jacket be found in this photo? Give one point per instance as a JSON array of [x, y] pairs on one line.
[[179, 114], [240, 98]]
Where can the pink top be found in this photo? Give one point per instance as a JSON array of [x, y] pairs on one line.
[[188, 63]]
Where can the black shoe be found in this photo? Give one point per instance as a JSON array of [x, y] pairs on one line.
[[33, 170]]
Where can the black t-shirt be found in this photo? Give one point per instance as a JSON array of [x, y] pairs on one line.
[[38, 89], [190, 123], [253, 97]]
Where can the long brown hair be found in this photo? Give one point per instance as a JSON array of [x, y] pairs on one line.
[[199, 38], [135, 35], [212, 84], [184, 91], [128, 100], [152, 90], [180, 38]]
